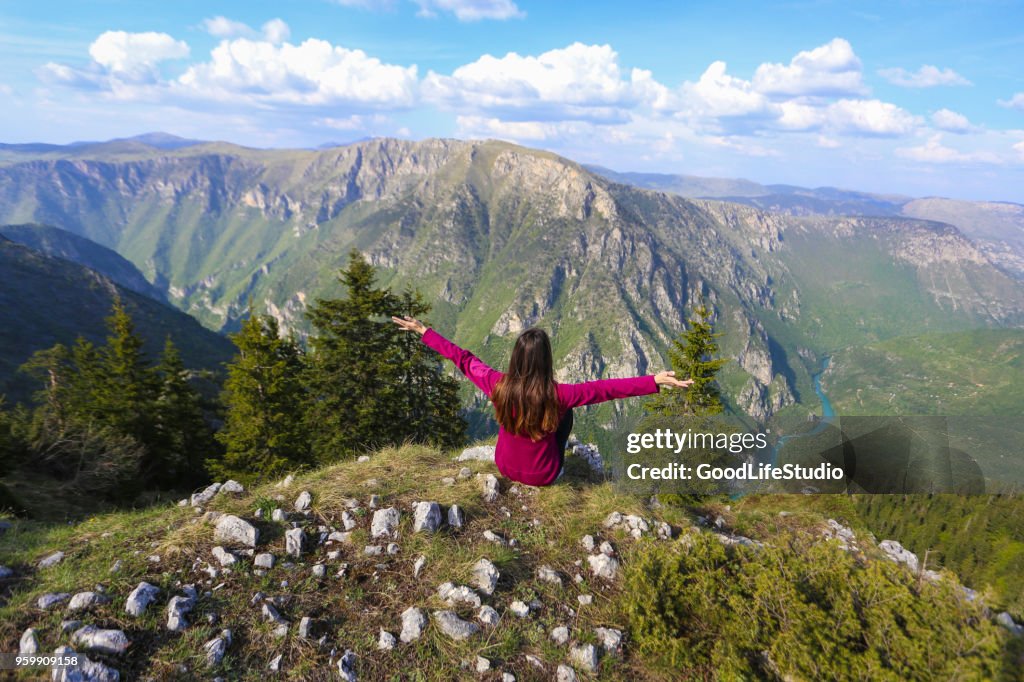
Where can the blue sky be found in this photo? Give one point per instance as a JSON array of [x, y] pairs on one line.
[[920, 98]]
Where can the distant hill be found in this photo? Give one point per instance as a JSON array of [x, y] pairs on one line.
[[45, 300], [59, 243]]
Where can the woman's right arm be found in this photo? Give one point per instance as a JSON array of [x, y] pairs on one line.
[[591, 392], [477, 371]]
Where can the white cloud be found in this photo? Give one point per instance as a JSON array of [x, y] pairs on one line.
[[575, 82], [828, 143], [471, 10], [276, 31], [869, 116], [1019, 148], [951, 121], [6, 89], [314, 72], [927, 76], [1015, 102], [832, 69], [222, 27], [367, 4], [481, 127], [717, 94], [933, 151], [134, 54]]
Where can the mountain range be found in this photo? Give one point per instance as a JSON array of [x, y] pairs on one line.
[[500, 237]]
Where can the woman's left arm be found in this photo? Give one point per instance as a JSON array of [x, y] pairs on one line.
[[591, 392]]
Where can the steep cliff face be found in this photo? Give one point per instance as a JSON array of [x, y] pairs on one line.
[[501, 238]]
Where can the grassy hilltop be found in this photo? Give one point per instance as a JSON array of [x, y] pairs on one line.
[[769, 588]]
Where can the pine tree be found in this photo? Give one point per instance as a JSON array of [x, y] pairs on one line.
[[693, 357], [184, 439], [125, 394], [351, 378], [263, 435]]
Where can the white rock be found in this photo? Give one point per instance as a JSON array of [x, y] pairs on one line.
[[225, 557], [485, 576], [200, 499], [491, 536], [663, 531], [263, 560], [51, 560], [610, 639], [275, 663], [519, 609], [565, 673], [116, 566], [461, 594], [480, 453], [386, 641], [286, 481], [338, 536], [534, 661], [426, 517], [549, 575], [363, 458], [560, 635], [374, 499], [347, 667], [217, 647], [385, 523], [585, 599], [588, 542], [348, 521], [319, 571], [604, 566], [373, 550], [232, 487], [607, 548], [85, 600], [85, 670], [278, 516], [92, 638], [488, 616], [1006, 620], [898, 553], [508, 677], [464, 473], [453, 626], [177, 608], [456, 517], [303, 501], [29, 645], [584, 656], [491, 488], [140, 598], [270, 614], [612, 520], [417, 567], [306, 627], [294, 542], [482, 664], [51, 599], [413, 622], [233, 530]]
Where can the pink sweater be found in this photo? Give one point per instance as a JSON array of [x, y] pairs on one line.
[[518, 457]]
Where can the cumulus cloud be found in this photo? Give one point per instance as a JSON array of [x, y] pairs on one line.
[[951, 121], [927, 76], [933, 151], [135, 54], [583, 82], [222, 27], [6, 89], [314, 72], [832, 69], [717, 94], [276, 31], [1019, 148], [471, 10], [1015, 102], [871, 117]]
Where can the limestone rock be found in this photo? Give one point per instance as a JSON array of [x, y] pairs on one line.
[[263, 560], [85, 600], [896, 552], [347, 520], [453, 595], [456, 517], [604, 566], [413, 622], [92, 638], [225, 557], [565, 673], [232, 487], [179, 607], [85, 670], [485, 576], [28, 645], [488, 616], [426, 517], [385, 523], [549, 575], [303, 501], [51, 560], [233, 530], [482, 664], [491, 536], [201, 499], [584, 656], [294, 542], [347, 667], [480, 453], [610, 639], [587, 541], [519, 609], [278, 516], [450, 624], [140, 598], [216, 648], [585, 599], [560, 634], [51, 599], [386, 641], [275, 663], [417, 567], [491, 488], [306, 627]]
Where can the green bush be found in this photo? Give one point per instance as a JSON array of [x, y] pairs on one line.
[[801, 609]]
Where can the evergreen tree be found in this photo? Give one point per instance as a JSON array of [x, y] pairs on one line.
[[693, 357], [124, 395], [351, 378], [184, 439], [428, 396], [263, 434]]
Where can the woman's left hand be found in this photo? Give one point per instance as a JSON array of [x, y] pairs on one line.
[[669, 379], [409, 324]]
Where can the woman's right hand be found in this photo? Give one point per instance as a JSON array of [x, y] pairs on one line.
[[669, 379], [409, 324]]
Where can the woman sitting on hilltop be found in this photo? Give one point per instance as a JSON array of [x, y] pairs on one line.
[[534, 413]]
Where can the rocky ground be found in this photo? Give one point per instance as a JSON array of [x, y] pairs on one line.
[[408, 564]]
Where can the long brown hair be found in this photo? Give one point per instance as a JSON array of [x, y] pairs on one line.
[[525, 400]]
